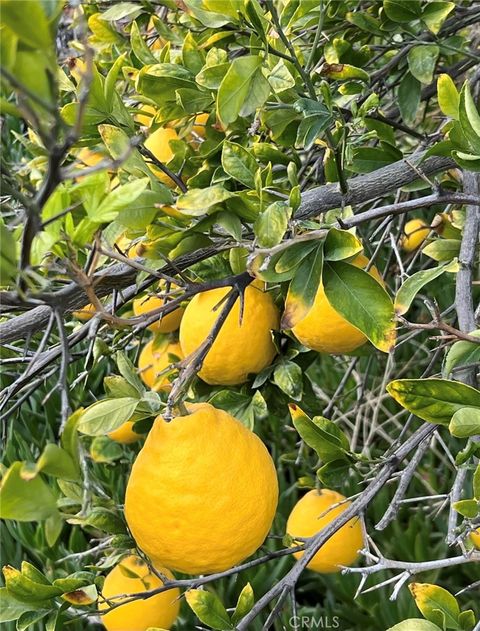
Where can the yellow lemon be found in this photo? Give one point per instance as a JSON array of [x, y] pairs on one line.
[[199, 127], [159, 144], [202, 493], [324, 330], [125, 434], [152, 362], [475, 537], [309, 516], [160, 610], [165, 324], [240, 349], [126, 246], [89, 157], [144, 118], [415, 233], [85, 313]]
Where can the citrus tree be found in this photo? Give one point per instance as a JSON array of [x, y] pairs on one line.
[[239, 245]]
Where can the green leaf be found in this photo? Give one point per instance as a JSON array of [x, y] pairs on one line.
[[467, 620], [416, 282], [288, 377], [476, 483], [320, 434], [467, 161], [230, 223], [435, 14], [467, 508], [198, 201], [340, 245], [433, 400], [239, 163], [409, 92], [211, 77], [28, 21], [310, 128], [303, 288], [139, 48], [469, 118], [29, 618], [106, 521], [292, 256], [245, 602], [415, 624], [433, 600], [193, 57], [422, 60], [25, 500], [442, 249], [462, 353], [208, 608], [104, 416], [25, 589], [8, 256], [368, 159], [280, 77], [57, 462], [103, 449], [11, 608], [343, 72], [160, 81], [362, 301], [116, 386], [243, 89], [129, 373], [448, 97], [402, 10], [120, 198], [465, 423], [272, 224]]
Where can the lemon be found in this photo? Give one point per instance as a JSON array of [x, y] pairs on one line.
[[160, 610], [159, 144], [475, 537], [152, 362], [85, 313], [309, 516], [165, 323], [202, 493], [240, 348], [125, 434], [147, 115], [199, 127], [89, 157], [324, 330], [415, 233]]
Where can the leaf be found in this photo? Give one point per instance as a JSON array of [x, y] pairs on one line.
[[362, 301], [29, 618], [161, 81], [193, 58], [57, 462], [343, 72], [104, 416], [116, 386], [198, 201], [465, 423], [432, 600], [462, 353], [435, 13], [243, 89], [272, 224], [448, 97], [239, 163], [120, 198], [415, 624], [129, 373], [107, 521], [292, 256], [409, 92], [368, 159], [103, 449], [433, 400], [467, 161], [333, 474], [230, 223], [476, 483], [8, 256], [310, 129], [422, 60], [82, 597], [280, 77], [28, 21], [288, 377], [245, 602], [416, 282], [467, 620], [25, 589], [320, 434], [139, 48], [442, 249], [11, 608], [208, 608], [303, 288], [467, 508], [402, 10], [25, 500], [340, 245], [469, 118]]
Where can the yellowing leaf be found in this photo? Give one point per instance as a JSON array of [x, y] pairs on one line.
[[436, 603]]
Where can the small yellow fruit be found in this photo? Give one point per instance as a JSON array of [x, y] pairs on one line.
[[152, 362], [415, 233], [160, 610], [165, 324], [202, 493], [475, 537], [239, 349], [90, 158], [144, 118], [125, 434], [324, 330], [125, 245], [159, 144], [85, 313], [309, 516], [199, 127]]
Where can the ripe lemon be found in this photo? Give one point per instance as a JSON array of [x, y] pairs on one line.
[[125, 434], [239, 349], [160, 610], [415, 233], [199, 127], [159, 144], [165, 324], [324, 330], [475, 537], [152, 362], [202, 493], [147, 115], [307, 518], [85, 313]]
